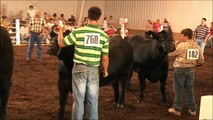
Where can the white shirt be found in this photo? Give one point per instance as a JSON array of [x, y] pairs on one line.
[[31, 13], [105, 25]]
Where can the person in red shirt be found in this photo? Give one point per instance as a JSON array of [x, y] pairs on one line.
[[156, 26], [111, 31]]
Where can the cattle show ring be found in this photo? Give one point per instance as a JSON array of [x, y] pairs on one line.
[[139, 84]]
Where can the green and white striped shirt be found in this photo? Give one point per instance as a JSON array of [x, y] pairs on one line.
[[90, 43]]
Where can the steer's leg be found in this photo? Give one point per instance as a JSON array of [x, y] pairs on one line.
[[122, 94], [63, 95], [3, 102], [142, 86], [63, 87], [116, 91], [163, 88]]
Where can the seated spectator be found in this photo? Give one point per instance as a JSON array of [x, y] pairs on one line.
[[166, 25], [24, 33], [85, 21], [111, 31], [111, 21], [64, 21], [72, 21], [46, 38], [46, 17], [105, 27], [54, 17], [157, 26], [149, 26], [5, 23], [50, 24], [68, 27]]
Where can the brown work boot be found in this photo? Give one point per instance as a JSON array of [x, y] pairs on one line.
[[174, 111], [191, 113]]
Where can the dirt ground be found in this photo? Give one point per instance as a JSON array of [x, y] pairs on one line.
[[34, 93]]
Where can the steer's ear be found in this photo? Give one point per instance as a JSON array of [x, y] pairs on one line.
[[152, 34]]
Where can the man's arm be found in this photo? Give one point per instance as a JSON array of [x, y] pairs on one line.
[[105, 64]]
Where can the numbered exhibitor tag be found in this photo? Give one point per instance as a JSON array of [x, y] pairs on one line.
[[91, 39], [192, 54]]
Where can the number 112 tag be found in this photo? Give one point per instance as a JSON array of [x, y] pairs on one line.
[[92, 39], [192, 54]]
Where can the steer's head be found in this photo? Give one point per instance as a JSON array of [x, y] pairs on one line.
[[165, 38], [54, 48]]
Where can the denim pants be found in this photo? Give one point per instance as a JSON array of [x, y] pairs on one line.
[[201, 43], [184, 85], [85, 86], [34, 37]]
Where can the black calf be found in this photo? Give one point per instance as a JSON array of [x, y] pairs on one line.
[[6, 68]]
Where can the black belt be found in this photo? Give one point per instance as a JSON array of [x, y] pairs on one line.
[[79, 64], [36, 32]]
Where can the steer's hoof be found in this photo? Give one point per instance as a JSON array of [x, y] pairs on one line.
[[120, 106], [140, 101], [165, 103]]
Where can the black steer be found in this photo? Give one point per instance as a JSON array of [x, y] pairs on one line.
[[151, 59], [6, 68], [120, 63]]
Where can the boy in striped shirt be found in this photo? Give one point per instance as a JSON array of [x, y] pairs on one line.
[[91, 47], [202, 32]]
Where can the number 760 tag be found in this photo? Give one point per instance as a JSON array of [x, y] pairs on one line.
[[91, 39]]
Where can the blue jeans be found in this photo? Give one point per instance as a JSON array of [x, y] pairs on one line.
[[85, 86], [201, 43], [184, 84], [34, 37]]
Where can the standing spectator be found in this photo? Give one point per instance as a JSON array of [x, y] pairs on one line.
[[24, 32], [202, 33], [111, 22], [166, 25], [184, 63], [72, 21], [31, 12], [87, 57], [37, 29], [105, 27], [149, 26], [210, 39]]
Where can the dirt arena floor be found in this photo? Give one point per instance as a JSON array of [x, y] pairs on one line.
[[34, 93]]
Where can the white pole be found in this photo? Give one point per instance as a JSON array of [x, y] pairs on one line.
[[17, 32], [82, 7]]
